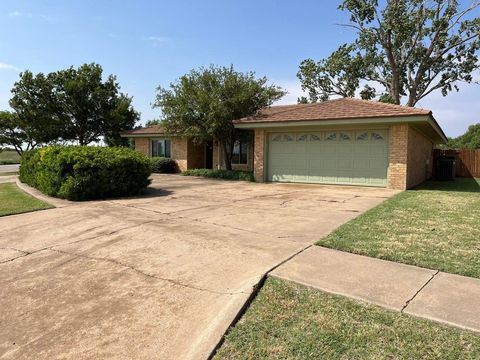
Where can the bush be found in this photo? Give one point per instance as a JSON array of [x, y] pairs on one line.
[[164, 165], [221, 174], [85, 172]]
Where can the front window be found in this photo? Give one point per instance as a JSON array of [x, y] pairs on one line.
[[161, 148], [240, 153]]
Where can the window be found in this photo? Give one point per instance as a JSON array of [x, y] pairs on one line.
[[345, 137], [331, 137], [376, 136], [302, 137], [362, 136], [277, 138], [314, 137], [240, 153], [161, 148], [287, 137]]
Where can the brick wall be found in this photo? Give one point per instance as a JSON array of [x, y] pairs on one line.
[[143, 145], [420, 158], [397, 158], [179, 148], [258, 155], [410, 157]]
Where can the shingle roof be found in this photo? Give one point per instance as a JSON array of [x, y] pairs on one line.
[[345, 108], [151, 130]]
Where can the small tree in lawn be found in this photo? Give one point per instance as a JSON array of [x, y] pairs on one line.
[[407, 48], [203, 104]]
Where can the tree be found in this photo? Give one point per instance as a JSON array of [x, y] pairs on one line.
[[408, 48], [469, 140], [10, 134], [73, 105], [203, 104], [34, 120]]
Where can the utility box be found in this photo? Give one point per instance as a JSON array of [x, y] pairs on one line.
[[445, 168]]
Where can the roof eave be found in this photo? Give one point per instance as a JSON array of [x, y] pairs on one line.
[[428, 118]]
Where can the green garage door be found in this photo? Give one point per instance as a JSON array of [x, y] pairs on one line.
[[329, 157]]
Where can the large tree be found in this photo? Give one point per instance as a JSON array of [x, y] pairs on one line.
[[403, 47], [73, 105], [203, 104]]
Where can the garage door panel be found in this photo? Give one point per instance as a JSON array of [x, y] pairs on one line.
[[343, 157]]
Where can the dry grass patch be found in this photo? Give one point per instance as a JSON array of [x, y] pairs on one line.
[[436, 226], [288, 321]]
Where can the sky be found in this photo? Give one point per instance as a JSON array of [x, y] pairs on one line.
[[147, 44]]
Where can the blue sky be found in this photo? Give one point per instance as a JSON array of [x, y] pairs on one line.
[[151, 43]]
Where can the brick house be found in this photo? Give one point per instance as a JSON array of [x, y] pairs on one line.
[[342, 141]]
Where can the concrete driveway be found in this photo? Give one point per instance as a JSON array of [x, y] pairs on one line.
[[161, 276]]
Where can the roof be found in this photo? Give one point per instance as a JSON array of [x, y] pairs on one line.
[[344, 108], [150, 130]]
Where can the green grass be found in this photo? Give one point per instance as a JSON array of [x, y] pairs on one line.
[[9, 157], [15, 201], [288, 321], [221, 174], [436, 226], [8, 173]]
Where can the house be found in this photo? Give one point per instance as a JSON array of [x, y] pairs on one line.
[[343, 141]]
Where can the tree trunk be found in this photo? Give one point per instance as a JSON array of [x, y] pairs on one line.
[[227, 155]]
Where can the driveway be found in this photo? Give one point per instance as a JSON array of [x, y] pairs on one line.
[[9, 168], [161, 276]]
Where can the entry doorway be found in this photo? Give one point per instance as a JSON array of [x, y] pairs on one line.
[[209, 155]]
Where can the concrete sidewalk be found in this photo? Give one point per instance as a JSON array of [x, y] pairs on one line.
[[430, 294]]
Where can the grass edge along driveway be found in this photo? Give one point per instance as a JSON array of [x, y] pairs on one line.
[[15, 201], [290, 321], [436, 226]]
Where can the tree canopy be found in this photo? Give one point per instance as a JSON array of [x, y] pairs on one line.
[[469, 140], [405, 48], [72, 105], [203, 104]]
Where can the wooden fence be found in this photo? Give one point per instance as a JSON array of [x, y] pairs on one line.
[[467, 161]]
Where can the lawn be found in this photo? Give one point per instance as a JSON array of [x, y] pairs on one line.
[[288, 321], [8, 173], [9, 157], [436, 226], [15, 201]]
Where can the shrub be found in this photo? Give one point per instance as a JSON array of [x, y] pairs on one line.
[[221, 174], [85, 172], [164, 165]]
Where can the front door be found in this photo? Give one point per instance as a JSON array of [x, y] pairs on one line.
[[209, 155]]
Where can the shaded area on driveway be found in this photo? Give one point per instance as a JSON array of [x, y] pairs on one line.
[[154, 276]]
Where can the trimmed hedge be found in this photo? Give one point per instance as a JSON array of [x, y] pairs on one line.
[[85, 172], [164, 165], [221, 174]]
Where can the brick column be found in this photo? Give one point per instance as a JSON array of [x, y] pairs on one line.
[[258, 156], [398, 157]]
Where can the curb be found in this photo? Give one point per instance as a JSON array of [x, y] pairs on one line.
[[59, 203]]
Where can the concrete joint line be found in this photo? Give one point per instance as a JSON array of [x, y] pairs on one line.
[[119, 263], [419, 291]]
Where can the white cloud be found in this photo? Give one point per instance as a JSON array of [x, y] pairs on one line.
[[4, 66], [27, 15], [159, 40]]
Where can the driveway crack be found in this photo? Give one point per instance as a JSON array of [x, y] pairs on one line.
[[27, 253], [419, 290], [143, 273]]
